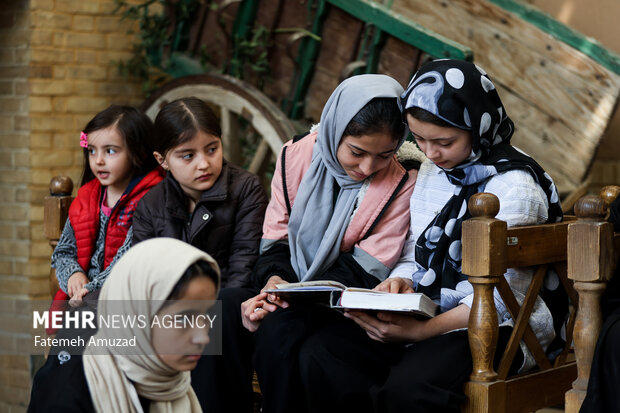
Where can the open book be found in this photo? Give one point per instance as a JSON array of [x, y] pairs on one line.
[[337, 295]]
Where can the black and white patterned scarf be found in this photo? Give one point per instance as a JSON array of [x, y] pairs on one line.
[[462, 94]]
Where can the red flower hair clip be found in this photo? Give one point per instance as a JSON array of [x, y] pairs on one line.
[[83, 140]]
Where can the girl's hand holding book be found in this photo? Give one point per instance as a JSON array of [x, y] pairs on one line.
[[394, 327], [274, 298], [256, 308], [396, 285], [388, 327]]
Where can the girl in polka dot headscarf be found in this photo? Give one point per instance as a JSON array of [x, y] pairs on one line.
[[458, 121]]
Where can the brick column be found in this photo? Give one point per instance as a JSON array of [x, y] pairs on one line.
[[56, 73], [14, 198]]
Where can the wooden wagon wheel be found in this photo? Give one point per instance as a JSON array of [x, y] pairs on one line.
[[234, 98]]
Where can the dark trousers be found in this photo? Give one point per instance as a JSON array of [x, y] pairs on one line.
[[313, 359], [277, 344], [223, 383], [344, 370]]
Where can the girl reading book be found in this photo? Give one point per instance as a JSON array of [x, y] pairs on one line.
[[338, 211]]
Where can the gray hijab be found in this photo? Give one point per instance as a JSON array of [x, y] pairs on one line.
[[317, 224]]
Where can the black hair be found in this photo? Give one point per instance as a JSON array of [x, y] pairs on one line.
[[380, 115], [424, 115], [134, 127], [197, 269], [179, 121]]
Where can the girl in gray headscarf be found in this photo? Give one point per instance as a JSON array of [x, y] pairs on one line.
[[338, 211]]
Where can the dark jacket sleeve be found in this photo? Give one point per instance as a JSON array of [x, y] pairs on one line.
[[347, 271], [275, 261], [61, 388], [142, 222], [245, 244]]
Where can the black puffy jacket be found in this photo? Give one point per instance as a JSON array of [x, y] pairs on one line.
[[226, 223]]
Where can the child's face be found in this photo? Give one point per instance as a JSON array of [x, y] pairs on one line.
[[108, 158], [446, 147], [362, 156], [195, 164], [180, 346]]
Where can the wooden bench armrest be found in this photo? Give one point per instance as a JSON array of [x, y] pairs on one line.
[[489, 249], [483, 261], [55, 213]]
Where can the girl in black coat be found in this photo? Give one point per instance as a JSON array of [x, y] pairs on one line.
[[204, 200]]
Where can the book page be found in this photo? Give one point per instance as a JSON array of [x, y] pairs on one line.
[[322, 285]]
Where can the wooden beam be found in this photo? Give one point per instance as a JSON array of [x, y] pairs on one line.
[[404, 29], [543, 21], [536, 244]]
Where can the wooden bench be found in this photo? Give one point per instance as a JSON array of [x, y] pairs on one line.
[[576, 249], [593, 250], [489, 249]]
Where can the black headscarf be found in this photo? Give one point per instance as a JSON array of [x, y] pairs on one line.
[[461, 94]]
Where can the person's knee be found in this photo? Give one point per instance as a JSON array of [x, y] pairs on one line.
[[273, 331], [282, 324], [312, 355], [397, 396], [279, 337]]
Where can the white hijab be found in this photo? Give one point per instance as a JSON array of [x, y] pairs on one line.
[[143, 278]]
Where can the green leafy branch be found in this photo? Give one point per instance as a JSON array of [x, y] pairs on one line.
[[154, 35]]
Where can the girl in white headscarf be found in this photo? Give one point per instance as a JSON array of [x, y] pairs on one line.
[[153, 375]]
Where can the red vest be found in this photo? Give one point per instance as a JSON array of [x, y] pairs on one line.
[[84, 217]]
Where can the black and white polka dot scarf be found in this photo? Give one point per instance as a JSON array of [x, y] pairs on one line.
[[462, 94]]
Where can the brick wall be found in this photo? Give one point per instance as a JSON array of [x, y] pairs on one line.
[[14, 193], [72, 77], [56, 73]]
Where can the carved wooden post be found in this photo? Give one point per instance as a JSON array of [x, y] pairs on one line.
[[590, 265], [484, 260], [55, 212]]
